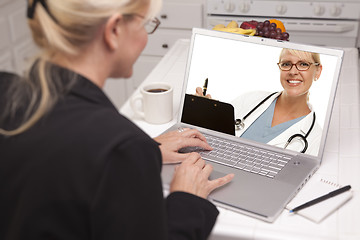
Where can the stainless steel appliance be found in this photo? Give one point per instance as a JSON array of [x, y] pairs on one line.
[[319, 22]]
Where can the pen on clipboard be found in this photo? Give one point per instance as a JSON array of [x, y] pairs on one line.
[[322, 198], [205, 86]]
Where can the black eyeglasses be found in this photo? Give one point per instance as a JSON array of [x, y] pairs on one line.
[[301, 66], [150, 25]]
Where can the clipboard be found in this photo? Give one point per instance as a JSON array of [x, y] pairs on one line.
[[208, 113]]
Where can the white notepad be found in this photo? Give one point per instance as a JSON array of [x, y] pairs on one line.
[[314, 189]]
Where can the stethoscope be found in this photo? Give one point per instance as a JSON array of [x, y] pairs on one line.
[[239, 124]]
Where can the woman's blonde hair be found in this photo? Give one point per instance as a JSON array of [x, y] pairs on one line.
[[65, 27]]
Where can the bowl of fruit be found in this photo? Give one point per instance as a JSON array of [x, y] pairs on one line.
[[233, 27], [271, 28]]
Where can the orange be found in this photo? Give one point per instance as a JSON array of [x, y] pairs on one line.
[[279, 24]]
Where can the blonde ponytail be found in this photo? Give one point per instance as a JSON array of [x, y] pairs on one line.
[[43, 106]]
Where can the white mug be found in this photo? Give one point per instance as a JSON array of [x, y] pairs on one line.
[[157, 103]]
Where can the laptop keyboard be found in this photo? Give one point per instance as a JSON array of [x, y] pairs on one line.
[[243, 157]]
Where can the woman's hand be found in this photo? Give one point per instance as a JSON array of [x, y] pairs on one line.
[[172, 142], [199, 92], [192, 176]]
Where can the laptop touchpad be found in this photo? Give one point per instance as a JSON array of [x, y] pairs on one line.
[[216, 174]]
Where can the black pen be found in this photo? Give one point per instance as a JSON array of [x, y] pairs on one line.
[[205, 86], [322, 198]]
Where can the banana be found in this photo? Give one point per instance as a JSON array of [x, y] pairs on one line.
[[219, 26], [250, 32], [232, 24], [233, 27]]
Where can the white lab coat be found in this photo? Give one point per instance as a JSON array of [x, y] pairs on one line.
[[245, 103]]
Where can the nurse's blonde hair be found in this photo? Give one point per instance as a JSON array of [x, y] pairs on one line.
[[308, 56], [65, 28]]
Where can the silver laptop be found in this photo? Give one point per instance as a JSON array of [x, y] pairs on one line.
[[242, 71]]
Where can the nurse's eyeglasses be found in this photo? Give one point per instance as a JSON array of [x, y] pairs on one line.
[[301, 66], [150, 25]]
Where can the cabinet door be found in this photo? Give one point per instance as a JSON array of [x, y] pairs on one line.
[[5, 39], [16, 46], [18, 23], [163, 39], [142, 69], [181, 15], [25, 54], [6, 63], [115, 89], [118, 90], [2, 2]]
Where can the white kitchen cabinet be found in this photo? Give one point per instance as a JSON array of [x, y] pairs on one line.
[[24, 55], [181, 15], [3, 2], [16, 46], [5, 38], [5, 62], [162, 40], [177, 17]]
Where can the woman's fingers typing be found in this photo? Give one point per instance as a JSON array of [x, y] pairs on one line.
[[188, 132], [200, 163], [172, 142]]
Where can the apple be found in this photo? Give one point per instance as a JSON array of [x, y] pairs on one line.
[[249, 24]]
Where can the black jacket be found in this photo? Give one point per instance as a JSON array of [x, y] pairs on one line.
[[84, 171]]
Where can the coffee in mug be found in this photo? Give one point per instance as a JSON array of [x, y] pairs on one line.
[[157, 90], [157, 103]]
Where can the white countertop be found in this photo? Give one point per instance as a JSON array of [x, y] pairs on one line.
[[341, 161]]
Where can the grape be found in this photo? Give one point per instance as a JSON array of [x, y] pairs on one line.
[[272, 34], [260, 26], [285, 36], [270, 30]]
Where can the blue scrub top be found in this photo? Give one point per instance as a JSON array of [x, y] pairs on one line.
[[261, 130]]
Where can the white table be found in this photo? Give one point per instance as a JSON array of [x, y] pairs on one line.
[[341, 158]]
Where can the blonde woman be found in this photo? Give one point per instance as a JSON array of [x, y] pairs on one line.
[[71, 166]]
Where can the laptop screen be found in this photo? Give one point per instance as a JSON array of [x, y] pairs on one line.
[[277, 93]]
